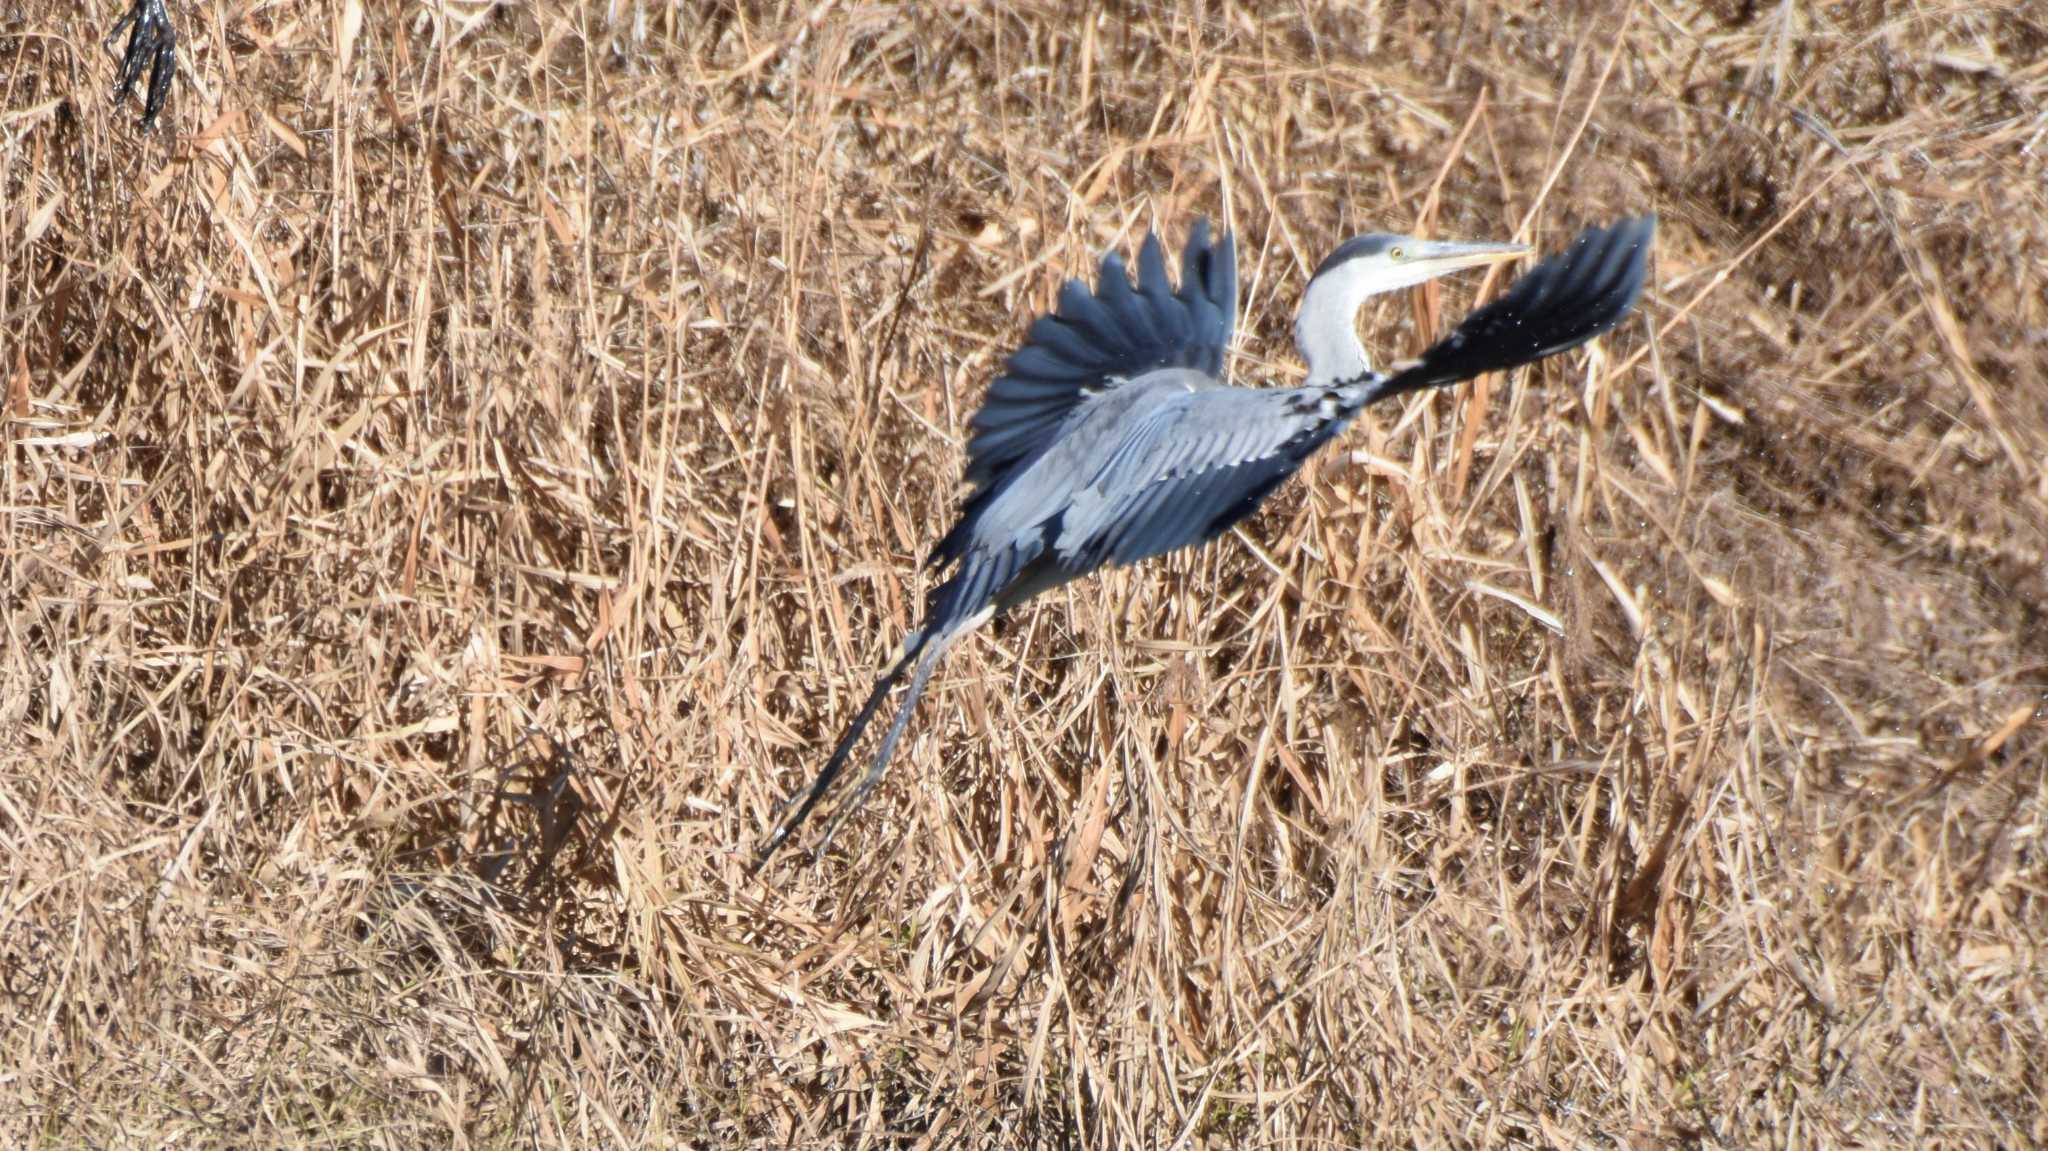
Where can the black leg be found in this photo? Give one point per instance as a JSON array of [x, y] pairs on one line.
[[799, 809], [152, 42]]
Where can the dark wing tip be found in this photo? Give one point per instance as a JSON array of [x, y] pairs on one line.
[[1117, 329], [1572, 296]]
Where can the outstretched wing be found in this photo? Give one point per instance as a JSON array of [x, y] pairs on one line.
[[1559, 304], [1189, 469], [1116, 332]]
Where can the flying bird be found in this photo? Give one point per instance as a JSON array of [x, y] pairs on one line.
[[1114, 435]]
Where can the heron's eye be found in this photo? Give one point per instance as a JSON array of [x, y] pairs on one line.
[[1395, 252]]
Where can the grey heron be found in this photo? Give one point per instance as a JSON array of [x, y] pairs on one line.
[[1113, 434]]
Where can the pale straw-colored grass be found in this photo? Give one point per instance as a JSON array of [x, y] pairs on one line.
[[460, 478]]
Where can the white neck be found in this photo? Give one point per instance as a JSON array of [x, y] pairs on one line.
[[1326, 330]]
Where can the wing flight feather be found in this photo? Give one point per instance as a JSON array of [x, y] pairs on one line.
[[1114, 332], [1560, 303]]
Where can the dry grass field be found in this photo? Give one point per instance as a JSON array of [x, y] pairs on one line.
[[463, 471]]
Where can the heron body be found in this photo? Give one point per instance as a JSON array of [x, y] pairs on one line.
[[1113, 434]]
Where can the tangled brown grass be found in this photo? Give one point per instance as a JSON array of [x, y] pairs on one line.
[[460, 477]]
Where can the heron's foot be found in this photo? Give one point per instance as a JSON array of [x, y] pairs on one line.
[[152, 42]]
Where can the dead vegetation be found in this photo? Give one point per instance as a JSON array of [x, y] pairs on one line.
[[461, 478]]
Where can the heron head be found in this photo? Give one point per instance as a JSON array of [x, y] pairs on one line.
[[1381, 262], [1366, 266]]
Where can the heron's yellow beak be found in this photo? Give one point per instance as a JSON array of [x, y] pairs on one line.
[[1438, 257]]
